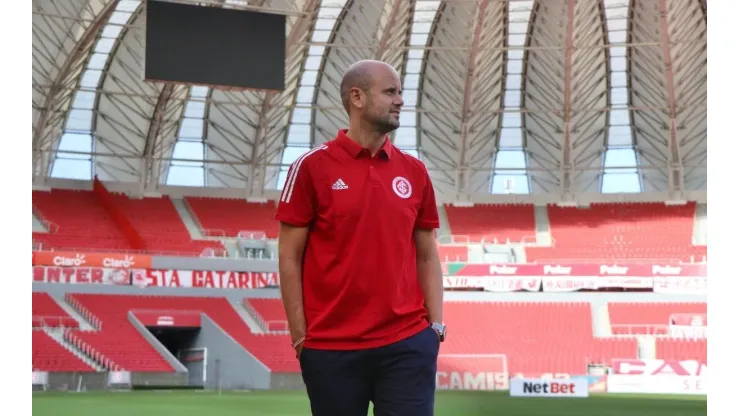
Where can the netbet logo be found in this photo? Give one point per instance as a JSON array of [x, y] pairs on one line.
[[553, 387]]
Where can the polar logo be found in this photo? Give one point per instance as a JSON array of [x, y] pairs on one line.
[[561, 270], [402, 187], [613, 270], [125, 262], [76, 261], [667, 270], [503, 270]]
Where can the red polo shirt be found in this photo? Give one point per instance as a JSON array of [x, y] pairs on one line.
[[360, 288]]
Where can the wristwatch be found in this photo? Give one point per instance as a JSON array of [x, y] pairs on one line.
[[440, 329]]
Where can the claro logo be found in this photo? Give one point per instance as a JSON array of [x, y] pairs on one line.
[[76, 261], [125, 262], [552, 387]]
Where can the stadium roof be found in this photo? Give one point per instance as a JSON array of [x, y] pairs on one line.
[[557, 97]]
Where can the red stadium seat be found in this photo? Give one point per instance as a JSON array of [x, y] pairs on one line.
[[649, 231], [230, 216], [536, 337], [46, 312], [81, 223], [48, 355], [493, 223]]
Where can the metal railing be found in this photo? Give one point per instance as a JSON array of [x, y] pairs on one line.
[[632, 330], [172, 253], [213, 232], [52, 321]]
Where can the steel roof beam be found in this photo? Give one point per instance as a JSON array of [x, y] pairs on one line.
[[463, 180], [675, 168], [566, 162]]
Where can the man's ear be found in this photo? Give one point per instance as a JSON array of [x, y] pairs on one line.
[[357, 97]]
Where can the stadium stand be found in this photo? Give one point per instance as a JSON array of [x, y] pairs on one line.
[[517, 113], [269, 312], [628, 231], [48, 355], [234, 215], [81, 222], [161, 227], [453, 252], [493, 223], [537, 337], [46, 312], [119, 340], [84, 223], [648, 318], [681, 349], [610, 232]]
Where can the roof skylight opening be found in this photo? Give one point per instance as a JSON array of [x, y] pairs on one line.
[[509, 175], [406, 136], [74, 156], [298, 139], [620, 162]]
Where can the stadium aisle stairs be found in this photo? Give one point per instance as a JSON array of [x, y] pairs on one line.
[[249, 315], [160, 226], [38, 226], [542, 227], [268, 313], [83, 323], [600, 319], [190, 221], [58, 336], [444, 222], [699, 236]]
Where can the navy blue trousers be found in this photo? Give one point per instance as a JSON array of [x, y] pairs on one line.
[[399, 379]]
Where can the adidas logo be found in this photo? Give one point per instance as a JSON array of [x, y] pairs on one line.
[[339, 185]]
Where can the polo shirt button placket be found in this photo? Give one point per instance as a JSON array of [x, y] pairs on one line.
[[374, 178]]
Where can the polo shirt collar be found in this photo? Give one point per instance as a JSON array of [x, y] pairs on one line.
[[355, 150]]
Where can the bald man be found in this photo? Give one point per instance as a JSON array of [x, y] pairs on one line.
[[361, 280]]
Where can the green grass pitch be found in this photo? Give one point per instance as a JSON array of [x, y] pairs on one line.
[[292, 403]]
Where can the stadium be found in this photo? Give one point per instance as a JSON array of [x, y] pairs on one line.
[[566, 141]]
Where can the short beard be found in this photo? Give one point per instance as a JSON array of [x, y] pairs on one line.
[[386, 125]]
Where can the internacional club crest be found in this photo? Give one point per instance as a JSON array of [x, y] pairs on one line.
[[402, 187]]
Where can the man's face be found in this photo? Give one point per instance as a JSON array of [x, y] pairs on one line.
[[383, 106]]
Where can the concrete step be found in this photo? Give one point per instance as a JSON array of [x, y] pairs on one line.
[[187, 218], [38, 225], [542, 226], [444, 223], [84, 324], [249, 317]]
